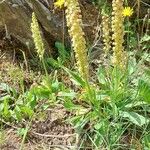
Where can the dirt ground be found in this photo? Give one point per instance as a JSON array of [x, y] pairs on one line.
[[48, 134]]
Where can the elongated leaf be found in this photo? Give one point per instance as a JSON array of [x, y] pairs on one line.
[[75, 77], [145, 38], [135, 118], [67, 94], [8, 89], [54, 63], [62, 50], [70, 105], [102, 75], [147, 72], [6, 109]]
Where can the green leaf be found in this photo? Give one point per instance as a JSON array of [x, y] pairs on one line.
[[76, 79], [8, 89], [5, 87], [145, 38], [135, 118], [79, 122], [27, 111], [6, 109], [54, 63], [41, 92], [146, 141], [1, 107], [102, 75], [17, 113], [32, 103], [132, 66], [147, 72], [67, 94], [68, 104], [136, 104], [63, 54], [5, 97], [144, 90], [21, 131]]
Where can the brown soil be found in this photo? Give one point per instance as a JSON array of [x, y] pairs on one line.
[[50, 133]]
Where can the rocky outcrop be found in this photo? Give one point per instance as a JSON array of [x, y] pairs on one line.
[[16, 18]]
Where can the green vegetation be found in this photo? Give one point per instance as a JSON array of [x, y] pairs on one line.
[[109, 109]]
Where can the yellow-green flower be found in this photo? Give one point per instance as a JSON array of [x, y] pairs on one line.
[[127, 11], [59, 3], [74, 23], [37, 37]]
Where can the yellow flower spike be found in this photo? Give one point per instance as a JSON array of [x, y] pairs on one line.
[[106, 33], [118, 34], [36, 34], [59, 3], [127, 12], [74, 23]]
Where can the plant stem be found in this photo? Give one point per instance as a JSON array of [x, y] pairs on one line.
[[128, 33], [24, 137], [43, 62]]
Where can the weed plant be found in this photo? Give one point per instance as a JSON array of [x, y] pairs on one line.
[[112, 112]]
